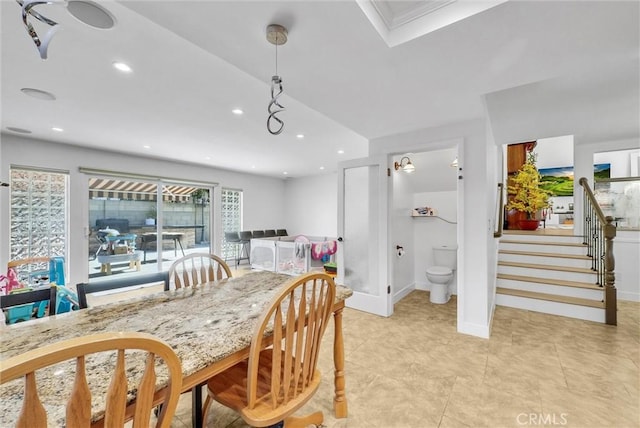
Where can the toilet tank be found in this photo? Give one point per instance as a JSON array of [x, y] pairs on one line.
[[446, 255]]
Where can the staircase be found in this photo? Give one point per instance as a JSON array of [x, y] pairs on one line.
[[548, 272]]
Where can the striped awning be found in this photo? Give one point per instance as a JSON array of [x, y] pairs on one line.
[[139, 191]]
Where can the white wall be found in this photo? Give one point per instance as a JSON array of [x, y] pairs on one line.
[[434, 231], [311, 205], [554, 152], [620, 161], [263, 196], [475, 201], [626, 251]]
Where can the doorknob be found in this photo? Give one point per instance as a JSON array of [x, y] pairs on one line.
[[340, 239]]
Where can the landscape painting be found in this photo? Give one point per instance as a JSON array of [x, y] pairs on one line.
[[559, 181]]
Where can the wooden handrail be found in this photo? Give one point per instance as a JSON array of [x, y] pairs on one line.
[[599, 233], [498, 233]]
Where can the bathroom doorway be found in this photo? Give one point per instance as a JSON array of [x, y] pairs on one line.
[[423, 216]]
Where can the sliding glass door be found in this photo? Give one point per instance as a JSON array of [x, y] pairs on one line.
[[144, 226]]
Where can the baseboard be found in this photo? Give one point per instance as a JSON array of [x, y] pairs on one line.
[[423, 285], [401, 294], [472, 329], [625, 295]]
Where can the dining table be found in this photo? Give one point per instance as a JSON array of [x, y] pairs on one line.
[[209, 326]]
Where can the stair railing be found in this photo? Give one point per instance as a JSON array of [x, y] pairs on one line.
[[500, 212], [599, 232]]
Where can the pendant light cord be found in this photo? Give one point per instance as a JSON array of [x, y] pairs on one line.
[[276, 54]]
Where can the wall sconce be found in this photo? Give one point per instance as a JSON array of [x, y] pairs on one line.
[[406, 166]]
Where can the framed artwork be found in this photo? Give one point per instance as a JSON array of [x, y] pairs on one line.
[[559, 181]]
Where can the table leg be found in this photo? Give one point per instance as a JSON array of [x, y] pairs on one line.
[[105, 268], [340, 399], [196, 406]]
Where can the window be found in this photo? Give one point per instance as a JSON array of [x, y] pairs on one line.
[[39, 213], [231, 219]]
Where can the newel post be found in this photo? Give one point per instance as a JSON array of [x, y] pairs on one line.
[[610, 298]]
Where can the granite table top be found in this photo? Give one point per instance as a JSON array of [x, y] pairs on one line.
[[203, 324]]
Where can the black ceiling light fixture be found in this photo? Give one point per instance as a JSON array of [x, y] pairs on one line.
[[277, 35]]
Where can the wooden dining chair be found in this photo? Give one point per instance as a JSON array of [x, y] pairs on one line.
[[274, 382], [198, 268], [86, 351]]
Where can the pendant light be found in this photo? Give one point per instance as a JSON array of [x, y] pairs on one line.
[[42, 43], [276, 35]]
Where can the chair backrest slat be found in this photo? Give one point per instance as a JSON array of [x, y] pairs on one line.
[[306, 364], [146, 390], [302, 309], [32, 413], [318, 323], [289, 347], [277, 356], [116, 395], [79, 404]]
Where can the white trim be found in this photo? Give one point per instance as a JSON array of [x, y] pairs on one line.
[[627, 296], [402, 293], [474, 329]]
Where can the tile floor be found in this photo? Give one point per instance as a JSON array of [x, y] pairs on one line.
[[414, 370]]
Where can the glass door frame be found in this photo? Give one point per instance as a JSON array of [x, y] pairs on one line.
[[380, 303]]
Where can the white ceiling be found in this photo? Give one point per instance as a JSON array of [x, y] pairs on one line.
[[194, 61]]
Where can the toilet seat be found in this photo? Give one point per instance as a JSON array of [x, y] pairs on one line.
[[439, 270]]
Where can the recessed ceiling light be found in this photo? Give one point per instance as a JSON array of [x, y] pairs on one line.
[[146, 146], [253, 167], [18, 130], [321, 167], [91, 14], [38, 93], [340, 152], [237, 111], [207, 158], [301, 136], [57, 129], [121, 66], [285, 173]]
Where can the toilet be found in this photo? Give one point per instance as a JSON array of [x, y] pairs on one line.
[[441, 274]]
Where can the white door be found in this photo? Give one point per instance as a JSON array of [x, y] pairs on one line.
[[362, 232]]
